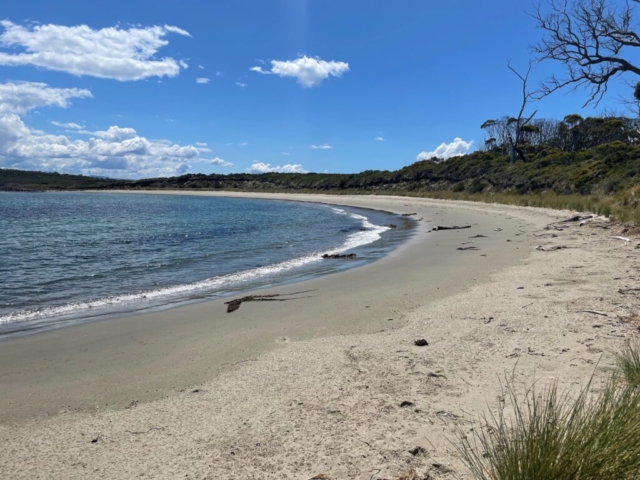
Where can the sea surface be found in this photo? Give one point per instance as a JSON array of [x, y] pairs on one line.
[[67, 258]]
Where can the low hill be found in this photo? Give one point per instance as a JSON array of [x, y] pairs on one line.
[[601, 170], [26, 181]]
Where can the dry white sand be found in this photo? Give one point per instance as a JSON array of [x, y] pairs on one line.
[[315, 385]]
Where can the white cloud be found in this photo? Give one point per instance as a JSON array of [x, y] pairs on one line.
[[179, 31], [259, 167], [220, 162], [286, 154], [201, 144], [115, 53], [200, 67], [241, 85], [70, 126], [380, 139], [203, 81], [310, 72], [244, 144], [20, 97], [117, 152], [447, 150], [321, 147]]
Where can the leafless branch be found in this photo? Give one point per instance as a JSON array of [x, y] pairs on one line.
[[588, 38]]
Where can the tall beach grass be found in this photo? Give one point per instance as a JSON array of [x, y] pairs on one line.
[[551, 435]]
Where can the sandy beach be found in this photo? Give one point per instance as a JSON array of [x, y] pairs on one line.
[[295, 389]]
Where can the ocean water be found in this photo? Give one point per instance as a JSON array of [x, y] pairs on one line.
[[73, 257]]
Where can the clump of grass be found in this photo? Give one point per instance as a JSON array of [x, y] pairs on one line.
[[549, 436], [628, 360]]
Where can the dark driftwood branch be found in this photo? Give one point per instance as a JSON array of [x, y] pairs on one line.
[[438, 228], [347, 256], [234, 305], [550, 249]]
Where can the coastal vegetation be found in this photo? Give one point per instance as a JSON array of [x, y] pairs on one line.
[[550, 435], [12, 180], [590, 164]]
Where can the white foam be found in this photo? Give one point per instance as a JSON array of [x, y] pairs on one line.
[[369, 235]]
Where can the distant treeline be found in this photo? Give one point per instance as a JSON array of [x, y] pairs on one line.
[[571, 134], [592, 156], [602, 170], [26, 181]]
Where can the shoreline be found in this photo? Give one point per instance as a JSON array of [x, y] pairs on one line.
[[294, 389], [270, 273], [174, 349]]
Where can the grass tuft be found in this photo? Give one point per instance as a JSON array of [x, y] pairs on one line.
[[548, 435], [628, 360]]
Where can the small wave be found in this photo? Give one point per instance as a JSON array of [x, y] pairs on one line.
[[369, 234]]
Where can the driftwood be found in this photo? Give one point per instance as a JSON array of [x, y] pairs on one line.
[[550, 249], [468, 248], [440, 227], [479, 236], [577, 218], [595, 312], [234, 305], [336, 256], [408, 214], [626, 291]]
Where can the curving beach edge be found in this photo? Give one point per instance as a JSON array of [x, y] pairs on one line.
[[330, 382]]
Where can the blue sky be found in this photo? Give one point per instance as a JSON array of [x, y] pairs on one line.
[[111, 88]]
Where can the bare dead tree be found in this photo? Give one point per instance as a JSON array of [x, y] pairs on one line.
[[519, 122], [507, 133], [590, 38]]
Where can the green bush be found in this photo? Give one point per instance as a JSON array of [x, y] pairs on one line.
[[550, 436], [628, 360]]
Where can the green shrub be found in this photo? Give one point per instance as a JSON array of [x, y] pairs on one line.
[[628, 360], [550, 436]]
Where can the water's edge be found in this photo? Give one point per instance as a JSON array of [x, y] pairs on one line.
[[366, 244]]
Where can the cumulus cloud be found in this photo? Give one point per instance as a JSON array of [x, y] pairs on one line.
[[321, 147], [117, 151], [259, 167], [447, 150], [70, 125], [219, 161], [310, 72], [20, 97], [380, 139], [203, 81], [201, 144], [117, 53]]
